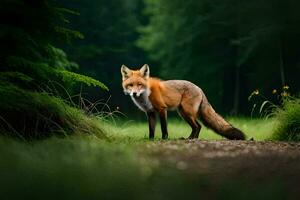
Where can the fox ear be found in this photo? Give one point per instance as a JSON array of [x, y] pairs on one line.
[[145, 71], [125, 71]]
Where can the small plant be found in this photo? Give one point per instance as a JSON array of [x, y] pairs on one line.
[[269, 104], [284, 108]]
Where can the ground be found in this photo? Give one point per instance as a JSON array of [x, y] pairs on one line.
[[253, 161], [129, 166], [216, 155]]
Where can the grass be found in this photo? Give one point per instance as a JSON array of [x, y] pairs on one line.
[[87, 167], [40, 115], [70, 168], [258, 129], [288, 117]]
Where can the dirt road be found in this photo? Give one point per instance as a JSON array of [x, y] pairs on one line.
[[250, 161]]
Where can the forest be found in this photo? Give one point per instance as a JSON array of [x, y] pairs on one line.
[[67, 126], [229, 48]]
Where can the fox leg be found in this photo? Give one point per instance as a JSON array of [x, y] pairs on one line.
[[198, 130], [192, 121], [163, 123], [196, 127], [152, 122]]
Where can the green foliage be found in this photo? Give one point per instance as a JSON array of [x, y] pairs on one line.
[[30, 62], [110, 33], [265, 104], [40, 115], [229, 47], [192, 34], [69, 34], [73, 77], [288, 117], [28, 48], [7, 76], [52, 68]]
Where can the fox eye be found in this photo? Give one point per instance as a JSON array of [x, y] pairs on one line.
[[130, 85], [139, 84]]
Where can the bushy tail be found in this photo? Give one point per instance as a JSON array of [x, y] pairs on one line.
[[216, 122]]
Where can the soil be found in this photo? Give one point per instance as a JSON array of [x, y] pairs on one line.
[[221, 160]]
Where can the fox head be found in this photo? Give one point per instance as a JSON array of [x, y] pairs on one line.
[[135, 82]]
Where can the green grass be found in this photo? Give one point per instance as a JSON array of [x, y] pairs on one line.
[[33, 115], [87, 167], [258, 129], [72, 168], [288, 117]]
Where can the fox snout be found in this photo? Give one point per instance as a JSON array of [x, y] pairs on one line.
[[135, 93]]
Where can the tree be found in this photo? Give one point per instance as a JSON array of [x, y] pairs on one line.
[[110, 34], [229, 48], [31, 64]]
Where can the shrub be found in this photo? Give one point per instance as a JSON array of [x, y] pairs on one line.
[[288, 117]]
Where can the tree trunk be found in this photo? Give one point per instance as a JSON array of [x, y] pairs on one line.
[[236, 100], [281, 65]]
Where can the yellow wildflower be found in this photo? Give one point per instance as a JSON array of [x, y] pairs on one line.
[[254, 93], [284, 94], [274, 91], [286, 87]]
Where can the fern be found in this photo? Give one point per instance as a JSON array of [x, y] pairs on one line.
[[30, 64], [58, 58], [71, 76], [6, 76], [41, 71], [66, 10], [38, 70], [68, 33]]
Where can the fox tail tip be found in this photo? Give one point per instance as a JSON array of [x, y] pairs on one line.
[[235, 134]]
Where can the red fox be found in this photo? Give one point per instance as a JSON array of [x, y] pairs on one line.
[[153, 95]]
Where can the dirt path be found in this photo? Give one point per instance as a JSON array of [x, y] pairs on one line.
[[235, 160]]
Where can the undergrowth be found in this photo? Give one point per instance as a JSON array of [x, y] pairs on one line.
[[31, 115], [288, 121], [30, 64]]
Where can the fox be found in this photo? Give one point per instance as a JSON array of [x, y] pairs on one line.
[[153, 95]]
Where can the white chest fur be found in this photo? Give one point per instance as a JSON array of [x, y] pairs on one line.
[[143, 102]]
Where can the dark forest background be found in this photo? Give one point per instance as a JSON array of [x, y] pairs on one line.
[[227, 47]]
